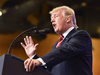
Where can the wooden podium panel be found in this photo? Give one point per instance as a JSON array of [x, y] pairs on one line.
[[11, 65]]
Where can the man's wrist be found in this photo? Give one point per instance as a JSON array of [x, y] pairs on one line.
[[41, 60], [32, 56]]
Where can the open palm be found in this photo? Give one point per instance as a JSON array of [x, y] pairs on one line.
[[29, 46]]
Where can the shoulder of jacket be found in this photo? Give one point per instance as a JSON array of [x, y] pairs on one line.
[[81, 32]]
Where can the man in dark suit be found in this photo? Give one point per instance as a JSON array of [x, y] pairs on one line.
[[73, 55]]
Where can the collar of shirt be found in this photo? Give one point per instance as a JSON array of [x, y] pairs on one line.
[[67, 31]]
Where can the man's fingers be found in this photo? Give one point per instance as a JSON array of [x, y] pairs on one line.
[[31, 41], [29, 65], [36, 45], [25, 63], [23, 45], [27, 39], [33, 66]]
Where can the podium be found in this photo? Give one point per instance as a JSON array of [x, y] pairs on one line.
[[11, 65]]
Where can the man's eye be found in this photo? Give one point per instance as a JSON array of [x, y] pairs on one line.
[[56, 15]]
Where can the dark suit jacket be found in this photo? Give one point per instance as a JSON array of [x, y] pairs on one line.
[[73, 56]]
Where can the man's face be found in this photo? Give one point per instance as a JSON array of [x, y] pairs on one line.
[[58, 22]]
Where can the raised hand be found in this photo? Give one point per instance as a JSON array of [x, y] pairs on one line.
[[29, 46]]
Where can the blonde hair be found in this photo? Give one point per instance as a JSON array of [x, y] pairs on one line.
[[67, 11]]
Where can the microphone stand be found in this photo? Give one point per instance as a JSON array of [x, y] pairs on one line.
[[20, 35]]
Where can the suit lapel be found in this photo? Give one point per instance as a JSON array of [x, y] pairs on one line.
[[69, 35], [66, 38]]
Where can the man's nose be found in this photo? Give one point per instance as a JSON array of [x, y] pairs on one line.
[[52, 20]]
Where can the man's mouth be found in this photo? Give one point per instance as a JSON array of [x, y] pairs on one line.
[[53, 25]]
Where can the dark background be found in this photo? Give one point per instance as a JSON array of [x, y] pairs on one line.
[[24, 14]]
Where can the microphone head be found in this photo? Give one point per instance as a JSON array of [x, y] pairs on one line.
[[45, 31], [36, 31]]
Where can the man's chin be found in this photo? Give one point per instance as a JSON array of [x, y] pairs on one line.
[[57, 32]]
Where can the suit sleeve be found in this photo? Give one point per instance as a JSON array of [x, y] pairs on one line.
[[78, 44]]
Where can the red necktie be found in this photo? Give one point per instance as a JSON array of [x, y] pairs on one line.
[[60, 41]]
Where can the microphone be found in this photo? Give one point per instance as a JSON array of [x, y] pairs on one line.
[[33, 30], [20, 35], [44, 31]]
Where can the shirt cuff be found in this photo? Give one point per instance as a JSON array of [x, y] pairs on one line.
[[32, 56], [43, 63]]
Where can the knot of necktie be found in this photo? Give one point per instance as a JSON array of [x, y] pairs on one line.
[[60, 40]]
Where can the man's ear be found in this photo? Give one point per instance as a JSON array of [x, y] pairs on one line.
[[68, 19]]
